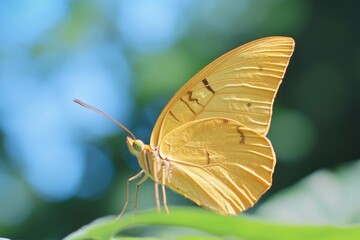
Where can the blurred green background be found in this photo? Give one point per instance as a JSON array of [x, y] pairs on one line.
[[62, 166]]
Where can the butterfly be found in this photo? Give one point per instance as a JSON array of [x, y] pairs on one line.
[[209, 143]]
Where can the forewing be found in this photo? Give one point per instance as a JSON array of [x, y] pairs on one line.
[[218, 163], [240, 85]]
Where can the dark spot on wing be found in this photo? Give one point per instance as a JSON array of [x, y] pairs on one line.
[[208, 157], [208, 87], [192, 99], [242, 136], [172, 114], [249, 104]]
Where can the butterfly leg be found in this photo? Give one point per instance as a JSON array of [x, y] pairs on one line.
[[163, 177], [156, 182], [127, 192], [146, 176]]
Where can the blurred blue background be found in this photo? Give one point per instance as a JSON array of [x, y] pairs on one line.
[[62, 166]]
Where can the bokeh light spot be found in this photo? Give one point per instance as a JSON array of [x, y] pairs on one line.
[[293, 135], [150, 25], [323, 197], [15, 201], [22, 22], [98, 174]]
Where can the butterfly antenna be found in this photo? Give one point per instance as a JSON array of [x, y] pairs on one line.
[[105, 115]]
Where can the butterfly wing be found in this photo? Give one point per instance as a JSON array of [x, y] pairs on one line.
[[218, 163], [240, 85]]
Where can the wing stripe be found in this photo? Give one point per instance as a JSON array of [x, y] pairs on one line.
[[188, 106], [248, 181], [254, 174], [217, 200], [238, 204], [236, 85]]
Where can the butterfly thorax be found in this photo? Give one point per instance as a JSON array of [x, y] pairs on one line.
[[149, 159]]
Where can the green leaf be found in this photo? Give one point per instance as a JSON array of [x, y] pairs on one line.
[[208, 226]]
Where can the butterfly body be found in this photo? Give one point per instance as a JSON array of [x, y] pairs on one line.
[[150, 161]]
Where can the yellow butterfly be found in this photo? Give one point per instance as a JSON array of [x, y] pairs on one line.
[[209, 143]]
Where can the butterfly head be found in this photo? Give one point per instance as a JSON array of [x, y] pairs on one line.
[[135, 145]]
